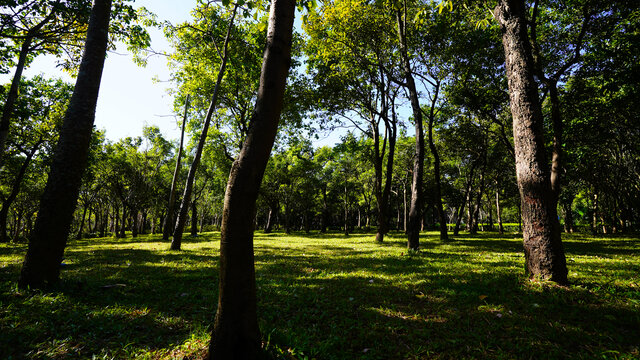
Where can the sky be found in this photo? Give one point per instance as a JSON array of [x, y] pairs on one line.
[[129, 97]]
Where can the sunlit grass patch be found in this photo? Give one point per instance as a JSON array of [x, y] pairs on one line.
[[328, 296]]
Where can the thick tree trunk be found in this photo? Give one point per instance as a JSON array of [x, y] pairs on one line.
[[415, 209], [176, 240], [544, 253], [235, 331], [48, 240], [169, 223]]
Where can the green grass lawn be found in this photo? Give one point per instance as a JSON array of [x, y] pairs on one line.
[[331, 297]]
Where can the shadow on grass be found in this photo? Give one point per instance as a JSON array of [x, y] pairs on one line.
[[332, 300]]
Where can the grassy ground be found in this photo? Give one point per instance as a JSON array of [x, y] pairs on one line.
[[331, 297]]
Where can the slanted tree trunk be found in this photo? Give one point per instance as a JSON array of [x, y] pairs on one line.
[[169, 223], [415, 209], [235, 331], [176, 240], [544, 253], [48, 240]]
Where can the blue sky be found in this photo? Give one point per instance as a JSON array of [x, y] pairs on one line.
[[129, 98]]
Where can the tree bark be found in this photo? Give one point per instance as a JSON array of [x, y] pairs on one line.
[[169, 223], [194, 219], [235, 331], [544, 253], [48, 240], [415, 209], [176, 240], [436, 168]]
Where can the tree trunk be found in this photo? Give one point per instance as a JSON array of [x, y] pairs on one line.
[[194, 219], [544, 253], [346, 211], [568, 214], [442, 218], [467, 197], [169, 223], [499, 212], [81, 228], [15, 190], [235, 331], [476, 210], [176, 240], [415, 209], [48, 240], [12, 96]]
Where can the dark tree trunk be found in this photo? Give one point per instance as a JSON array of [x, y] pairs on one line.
[[544, 253], [568, 214], [476, 210], [383, 193], [176, 240], [15, 190], [48, 240], [169, 223], [346, 210], [415, 209], [442, 218], [12, 96], [235, 331], [123, 225], [467, 199], [194, 219], [81, 228], [499, 212], [325, 211], [134, 223]]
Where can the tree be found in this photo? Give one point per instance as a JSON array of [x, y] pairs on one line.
[[56, 27], [48, 240], [235, 330], [544, 253], [186, 196]]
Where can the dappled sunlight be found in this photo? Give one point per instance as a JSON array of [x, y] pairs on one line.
[[330, 297]]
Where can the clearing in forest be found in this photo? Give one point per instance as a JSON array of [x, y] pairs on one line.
[[330, 296]]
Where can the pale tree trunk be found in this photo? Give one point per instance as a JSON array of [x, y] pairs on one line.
[[544, 253], [176, 240], [49, 237], [235, 331]]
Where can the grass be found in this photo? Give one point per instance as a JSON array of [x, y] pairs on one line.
[[331, 297]]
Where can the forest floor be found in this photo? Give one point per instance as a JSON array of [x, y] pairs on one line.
[[331, 297]]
